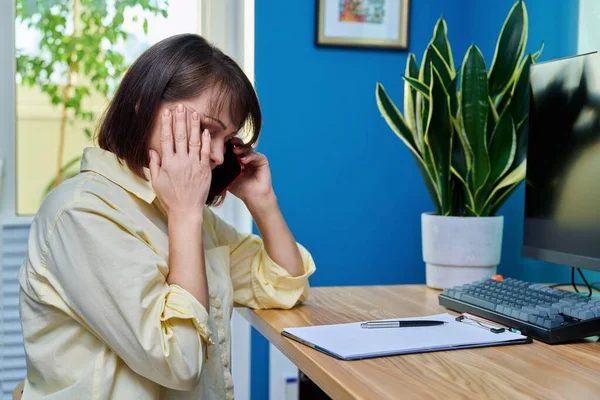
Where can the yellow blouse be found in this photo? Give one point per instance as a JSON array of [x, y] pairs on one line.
[[99, 319]]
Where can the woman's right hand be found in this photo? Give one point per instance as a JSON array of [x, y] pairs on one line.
[[181, 178]]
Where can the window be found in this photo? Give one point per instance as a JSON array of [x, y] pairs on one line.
[[70, 58]]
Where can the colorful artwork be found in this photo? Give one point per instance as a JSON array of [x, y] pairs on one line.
[[366, 11], [363, 23]]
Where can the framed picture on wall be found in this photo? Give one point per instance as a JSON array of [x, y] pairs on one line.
[[363, 23]]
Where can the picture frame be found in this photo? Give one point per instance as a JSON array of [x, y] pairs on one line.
[[382, 24]]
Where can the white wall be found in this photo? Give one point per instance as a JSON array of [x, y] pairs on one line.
[[588, 35]]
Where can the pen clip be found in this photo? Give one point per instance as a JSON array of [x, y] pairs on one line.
[[465, 319]]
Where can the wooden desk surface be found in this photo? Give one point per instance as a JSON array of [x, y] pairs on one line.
[[532, 370]]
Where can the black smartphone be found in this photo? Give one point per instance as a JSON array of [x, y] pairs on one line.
[[226, 174]]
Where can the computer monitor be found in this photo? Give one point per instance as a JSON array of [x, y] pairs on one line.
[[562, 189]]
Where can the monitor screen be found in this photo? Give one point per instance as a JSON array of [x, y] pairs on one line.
[[562, 191]]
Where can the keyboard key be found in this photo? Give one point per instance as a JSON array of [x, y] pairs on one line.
[[529, 310], [542, 310], [548, 323], [557, 317], [507, 311], [523, 315], [478, 302], [586, 314], [559, 306], [570, 311]]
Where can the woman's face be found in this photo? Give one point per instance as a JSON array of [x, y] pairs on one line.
[[220, 126]]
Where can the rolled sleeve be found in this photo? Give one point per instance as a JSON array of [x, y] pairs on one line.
[[273, 285], [180, 304], [258, 281], [111, 278]]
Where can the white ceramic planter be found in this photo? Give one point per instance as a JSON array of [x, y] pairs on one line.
[[459, 250]]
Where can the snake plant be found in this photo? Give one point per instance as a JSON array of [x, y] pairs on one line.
[[467, 129]]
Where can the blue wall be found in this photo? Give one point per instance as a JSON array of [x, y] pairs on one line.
[[348, 187]]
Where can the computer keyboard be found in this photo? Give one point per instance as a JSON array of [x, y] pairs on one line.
[[540, 312]]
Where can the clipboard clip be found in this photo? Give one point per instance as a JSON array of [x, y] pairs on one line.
[[473, 321]]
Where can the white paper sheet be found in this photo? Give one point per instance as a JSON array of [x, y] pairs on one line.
[[351, 341]]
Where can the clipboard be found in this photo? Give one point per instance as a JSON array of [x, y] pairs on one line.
[[351, 342]]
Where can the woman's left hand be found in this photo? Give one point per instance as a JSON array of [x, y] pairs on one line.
[[255, 185]]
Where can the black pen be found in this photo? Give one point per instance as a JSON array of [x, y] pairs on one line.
[[400, 324]]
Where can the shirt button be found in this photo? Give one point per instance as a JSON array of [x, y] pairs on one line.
[[217, 303], [226, 361]]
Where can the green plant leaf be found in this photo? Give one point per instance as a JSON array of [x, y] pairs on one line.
[[461, 151], [504, 101], [522, 130], [424, 70], [501, 197], [410, 95], [514, 177], [421, 114], [492, 120], [415, 84], [519, 108], [394, 119], [440, 41], [462, 158], [439, 138], [437, 60], [430, 57], [474, 110], [452, 92], [502, 148], [434, 178], [465, 187], [429, 183], [458, 196], [460, 165], [510, 47], [538, 53], [467, 151]]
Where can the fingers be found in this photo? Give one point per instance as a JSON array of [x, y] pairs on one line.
[[166, 134], [252, 157], [205, 151], [154, 165], [181, 142], [195, 143]]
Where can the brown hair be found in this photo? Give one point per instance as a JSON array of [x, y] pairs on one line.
[[177, 68]]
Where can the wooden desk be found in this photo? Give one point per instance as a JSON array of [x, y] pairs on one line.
[[531, 370]]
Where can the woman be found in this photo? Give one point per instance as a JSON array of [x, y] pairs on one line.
[[129, 283]]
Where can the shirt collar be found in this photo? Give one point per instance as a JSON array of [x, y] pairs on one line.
[[112, 168]]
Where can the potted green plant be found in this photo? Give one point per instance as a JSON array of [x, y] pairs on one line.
[[467, 131]]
